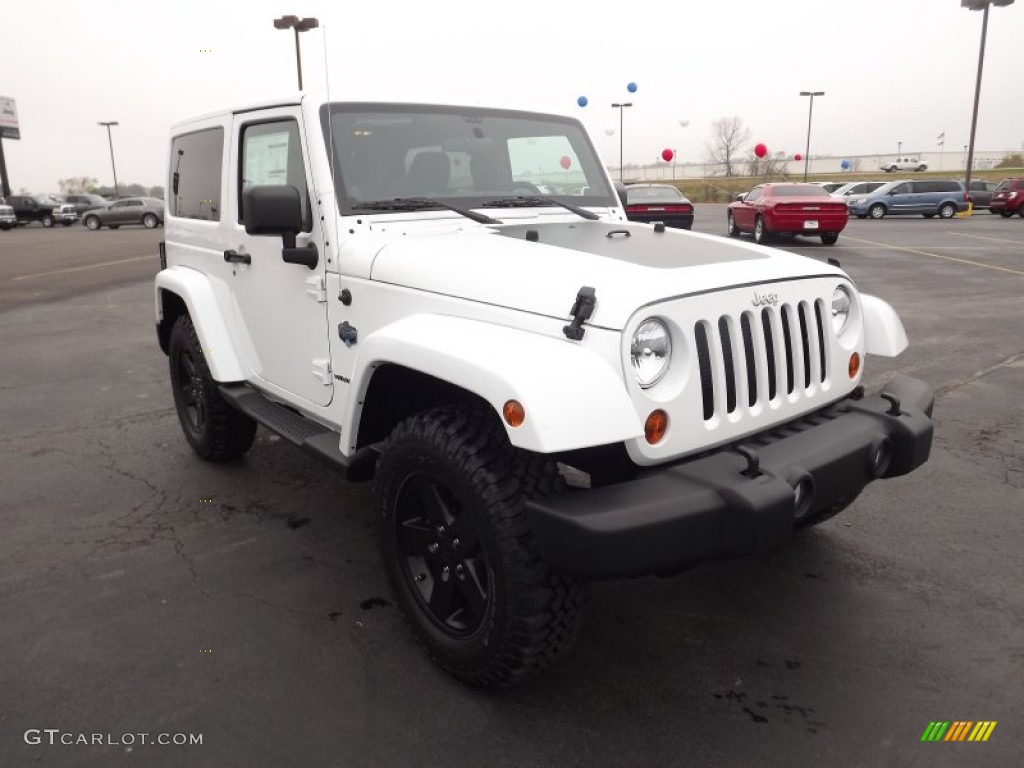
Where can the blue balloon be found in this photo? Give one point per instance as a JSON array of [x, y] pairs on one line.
[[845, 164], [631, 87], [582, 101]]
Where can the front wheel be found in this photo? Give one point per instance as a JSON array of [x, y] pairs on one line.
[[149, 221], [829, 238], [47, 221], [214, 429], [92, 222], [947, 211], [458, 548], [730, 225], [877, 211]]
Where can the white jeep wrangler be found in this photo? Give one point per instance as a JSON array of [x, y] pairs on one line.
[[450, 300]]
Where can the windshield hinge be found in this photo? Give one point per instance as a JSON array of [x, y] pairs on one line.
[[322, 371], [316, 288], [581, 310]]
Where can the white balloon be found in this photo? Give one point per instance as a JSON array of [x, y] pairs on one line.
[[609, 131], [684, 123]]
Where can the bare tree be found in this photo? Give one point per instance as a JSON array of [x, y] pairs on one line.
[[767, 167], [728, 134], [76, 185]]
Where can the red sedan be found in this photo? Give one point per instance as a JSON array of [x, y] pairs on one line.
[[790, 209]]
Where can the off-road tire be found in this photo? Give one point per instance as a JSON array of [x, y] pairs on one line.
[[529, 614], [215, 430]]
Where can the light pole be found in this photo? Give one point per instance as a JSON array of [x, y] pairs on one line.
[[111, 142], [899, 149], [978, 5], [621, 107], [810, 113], [299, 25]]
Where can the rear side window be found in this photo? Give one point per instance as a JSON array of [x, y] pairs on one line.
[[947, 186], [271, 154], [196, 160]]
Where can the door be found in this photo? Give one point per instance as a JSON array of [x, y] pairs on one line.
[[744, 214], [280, 308], [901, 198]]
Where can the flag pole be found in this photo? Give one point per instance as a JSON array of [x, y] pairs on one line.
[[942, 146]]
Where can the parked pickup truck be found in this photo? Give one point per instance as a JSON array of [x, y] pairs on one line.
[[46, 210], [450, 300]]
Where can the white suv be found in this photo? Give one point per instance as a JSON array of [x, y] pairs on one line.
[[451, 300], [904, 164]]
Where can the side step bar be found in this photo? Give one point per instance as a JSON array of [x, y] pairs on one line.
[[297, 429]]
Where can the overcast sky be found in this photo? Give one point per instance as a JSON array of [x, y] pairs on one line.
[[892, 70]]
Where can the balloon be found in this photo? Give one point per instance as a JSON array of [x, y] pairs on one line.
[[609, 131], [798, 157], [845, 165], [565, 162], [631, 87], [684, 123], [760, 150], [667, 155], [582, 101]]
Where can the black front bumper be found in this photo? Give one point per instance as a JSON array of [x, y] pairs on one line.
[[741, 498]]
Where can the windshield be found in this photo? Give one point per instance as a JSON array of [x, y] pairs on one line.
[[466, 156]]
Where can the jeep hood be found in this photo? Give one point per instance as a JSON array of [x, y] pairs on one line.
[[539, 268]]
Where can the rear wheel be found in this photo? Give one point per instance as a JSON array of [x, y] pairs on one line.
[[1020, 211], [458, 548], [47, 221], [730, 225], [829, 238], [214, 429], [149, 221], [1007, 214], [877, 211], [947, 211], [760, 233]]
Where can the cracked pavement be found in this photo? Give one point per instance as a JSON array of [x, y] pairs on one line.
[[143, 590]]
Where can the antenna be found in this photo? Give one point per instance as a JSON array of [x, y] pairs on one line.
[[330, 113]]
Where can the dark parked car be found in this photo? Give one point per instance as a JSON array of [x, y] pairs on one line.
[[1008, 198], [41, 208], [83, 203], [792, 209], [658, 202], [981, 193], [147, 211]]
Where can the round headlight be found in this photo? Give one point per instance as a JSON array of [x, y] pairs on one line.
[[841, 302], [650, 352]]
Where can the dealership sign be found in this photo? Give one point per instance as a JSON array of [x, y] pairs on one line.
[[8, 119]]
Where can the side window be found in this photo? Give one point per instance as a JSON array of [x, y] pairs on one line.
[[271, 154], [900, 189], [194, 189], [118, 205], [753, 195]]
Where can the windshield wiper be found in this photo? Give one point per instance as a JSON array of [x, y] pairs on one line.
[[521, 201], [419, 204]]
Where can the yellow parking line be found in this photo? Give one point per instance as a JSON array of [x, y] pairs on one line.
[[993, 239], [937, 256], [81, 269]]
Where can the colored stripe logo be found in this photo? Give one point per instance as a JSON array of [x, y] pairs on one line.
[[958, 730]]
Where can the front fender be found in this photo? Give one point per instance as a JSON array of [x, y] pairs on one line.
[[883, 331], [572, 397], [197, 291]]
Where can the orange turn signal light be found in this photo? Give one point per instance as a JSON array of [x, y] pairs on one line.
[[854, 365], [514, 413], [655, 426]]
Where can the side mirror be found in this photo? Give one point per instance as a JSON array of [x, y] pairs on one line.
[[276, 209], [621, 191], [740, 196]]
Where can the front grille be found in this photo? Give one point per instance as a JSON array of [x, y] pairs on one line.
[[746, 360]]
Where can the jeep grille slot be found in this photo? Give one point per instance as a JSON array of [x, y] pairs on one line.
[[744, 362]]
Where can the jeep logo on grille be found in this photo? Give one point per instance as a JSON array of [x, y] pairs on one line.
[[761, 299]]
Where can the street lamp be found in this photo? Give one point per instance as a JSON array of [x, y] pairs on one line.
[[899, 148], [111, 142], [621, 107], [299, 25], [978, 5], [810, 112]]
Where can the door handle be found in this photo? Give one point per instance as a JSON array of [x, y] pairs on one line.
[[237, 258]]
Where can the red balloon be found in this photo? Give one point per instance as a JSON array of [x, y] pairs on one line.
[[565, 162], [667, 155], [760, 150], [798, 157]]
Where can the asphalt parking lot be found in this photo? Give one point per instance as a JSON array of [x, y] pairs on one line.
[[144, 591]]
